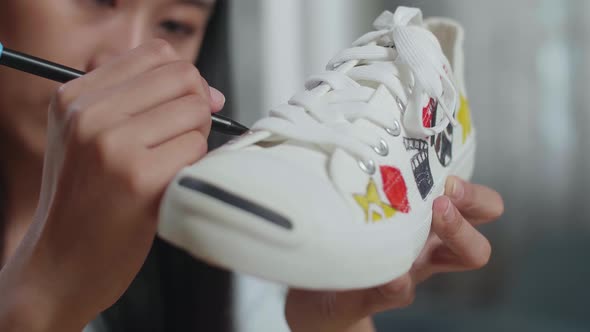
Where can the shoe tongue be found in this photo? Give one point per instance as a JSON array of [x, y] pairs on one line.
[[411, 18], [403, 16]]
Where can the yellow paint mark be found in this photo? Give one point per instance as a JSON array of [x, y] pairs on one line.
[[371, 198], [464, 117]]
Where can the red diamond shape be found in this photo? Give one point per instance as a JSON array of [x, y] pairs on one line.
[[395, 188], [428, 112]]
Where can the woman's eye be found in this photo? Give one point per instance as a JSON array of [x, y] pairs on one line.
[[106, 3], [177, 28]]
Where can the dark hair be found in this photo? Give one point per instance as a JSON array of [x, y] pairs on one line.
[[173, 291]]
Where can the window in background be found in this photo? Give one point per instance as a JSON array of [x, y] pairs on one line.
[[527, 69]]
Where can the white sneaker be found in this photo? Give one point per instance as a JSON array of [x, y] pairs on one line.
[[334, 190]]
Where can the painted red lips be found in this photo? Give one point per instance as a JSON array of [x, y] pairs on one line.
[[395, 188]]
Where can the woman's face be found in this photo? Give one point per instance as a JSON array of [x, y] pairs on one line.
[[82, 34]]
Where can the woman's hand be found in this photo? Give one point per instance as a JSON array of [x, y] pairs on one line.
[[116, 138], [454, 245]]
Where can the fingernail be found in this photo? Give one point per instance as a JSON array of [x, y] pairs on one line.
[[457, 190], [216, 96], [449, 212]]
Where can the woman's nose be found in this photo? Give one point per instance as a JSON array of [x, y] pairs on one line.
[[118, 39]]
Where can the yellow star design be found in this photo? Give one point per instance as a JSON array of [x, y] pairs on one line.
[[464, 117], [371, 198]]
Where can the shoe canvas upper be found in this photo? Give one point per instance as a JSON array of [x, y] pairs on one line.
[[402, 185]]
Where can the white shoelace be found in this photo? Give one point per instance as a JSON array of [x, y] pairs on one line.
[[334, 99]]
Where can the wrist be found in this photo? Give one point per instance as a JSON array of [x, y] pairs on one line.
[[21, 312], [365, 325], [28, 301], [310, 311]]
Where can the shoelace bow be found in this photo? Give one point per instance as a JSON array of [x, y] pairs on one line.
[[333, 100]]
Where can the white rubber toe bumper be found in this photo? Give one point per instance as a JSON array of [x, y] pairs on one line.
[[246, 214]]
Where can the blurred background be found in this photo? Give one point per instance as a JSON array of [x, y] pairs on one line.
[[528, 64]]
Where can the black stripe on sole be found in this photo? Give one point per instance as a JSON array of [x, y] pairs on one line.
[[236, 201]]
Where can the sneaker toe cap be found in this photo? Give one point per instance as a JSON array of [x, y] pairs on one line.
[[256, 194]]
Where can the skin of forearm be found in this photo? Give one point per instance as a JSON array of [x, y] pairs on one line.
[[27, 301]]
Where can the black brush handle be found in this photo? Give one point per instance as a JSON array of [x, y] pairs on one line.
[[62, 74], [38, 67]]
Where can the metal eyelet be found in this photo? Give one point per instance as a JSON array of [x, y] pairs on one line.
[[368, 166], [396, 130], [400, 104], [382, 149]]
